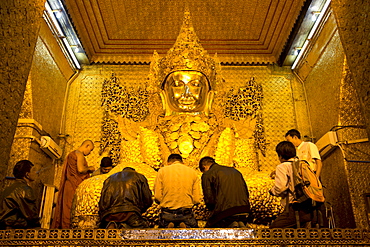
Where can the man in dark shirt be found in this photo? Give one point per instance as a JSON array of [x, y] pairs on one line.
[[18, 207], [106, 165], [124, 197], [225, 194]]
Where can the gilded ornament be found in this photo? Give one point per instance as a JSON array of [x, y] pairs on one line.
[[195, 134], [197, 144], [200, 126], [185, 143], [173, 145], [175, 127], [173, 136], [185, 128]]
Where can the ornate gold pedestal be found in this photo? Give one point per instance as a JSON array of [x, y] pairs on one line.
[[187, 237]]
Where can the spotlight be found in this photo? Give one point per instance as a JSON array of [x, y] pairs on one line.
[[58, 13], [315, 15], [76, 48], [297, 50]]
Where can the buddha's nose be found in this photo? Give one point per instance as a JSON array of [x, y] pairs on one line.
[[186, 90]]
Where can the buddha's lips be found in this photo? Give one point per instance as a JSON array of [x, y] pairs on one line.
[[187, 101]]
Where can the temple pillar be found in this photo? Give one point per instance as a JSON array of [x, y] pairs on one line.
[[353, 22], [19, 25]]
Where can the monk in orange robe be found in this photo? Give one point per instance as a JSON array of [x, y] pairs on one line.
[[75, 170]]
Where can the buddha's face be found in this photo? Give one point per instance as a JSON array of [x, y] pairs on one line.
[[186, 91]]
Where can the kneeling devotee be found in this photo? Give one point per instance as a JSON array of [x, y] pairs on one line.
[[177, 189], [225, 194], [18, 207], [106, 164], [124, 197]]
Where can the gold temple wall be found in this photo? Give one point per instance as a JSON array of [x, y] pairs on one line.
[[322, 85], [353, 26], [20, 22], [333, 101], [43, 102]]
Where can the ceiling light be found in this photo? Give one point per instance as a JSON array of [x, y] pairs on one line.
[[63, 35], [311, 33], [76, 48], [315, 15], [58, 13], [297, 50]]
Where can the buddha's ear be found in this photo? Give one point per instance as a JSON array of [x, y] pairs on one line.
[[165, 105], [208, 106]]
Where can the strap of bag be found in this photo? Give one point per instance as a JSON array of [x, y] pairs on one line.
[[295, 172], [298, 222], [287, 202]]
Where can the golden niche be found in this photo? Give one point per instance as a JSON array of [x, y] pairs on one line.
[[183, 107]]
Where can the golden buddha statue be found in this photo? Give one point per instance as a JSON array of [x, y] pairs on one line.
[[182, 108]]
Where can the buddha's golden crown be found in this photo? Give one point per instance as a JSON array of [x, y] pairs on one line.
[[186, 54]]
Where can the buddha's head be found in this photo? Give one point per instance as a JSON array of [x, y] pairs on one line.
[[186, 76], [186, 91]]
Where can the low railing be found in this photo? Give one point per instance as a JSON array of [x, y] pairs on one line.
[[185, 237]]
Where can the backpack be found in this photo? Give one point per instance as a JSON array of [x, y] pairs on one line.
[[306, 184]]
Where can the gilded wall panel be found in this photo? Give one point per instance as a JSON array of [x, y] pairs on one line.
[[323, 98], [43, 103], [334, 105], [336, 190], [322, 86], [356, 151], [21, 144], [48, 89], [84, 113], [354, 25], [20, 23]]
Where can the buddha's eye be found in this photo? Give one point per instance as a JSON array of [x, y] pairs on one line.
[[178, 83], [195, 83]]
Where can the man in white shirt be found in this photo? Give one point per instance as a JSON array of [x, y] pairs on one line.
[[177, 189], [305, 150]]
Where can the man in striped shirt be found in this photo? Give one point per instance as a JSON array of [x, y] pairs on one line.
[[177, 189]]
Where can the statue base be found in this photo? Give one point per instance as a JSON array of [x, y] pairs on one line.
[[185, 237]]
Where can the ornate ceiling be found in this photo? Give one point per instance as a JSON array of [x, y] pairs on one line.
[[239, 31]]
